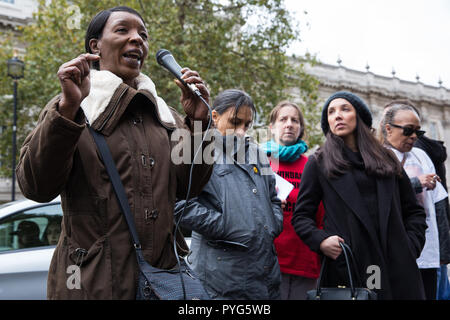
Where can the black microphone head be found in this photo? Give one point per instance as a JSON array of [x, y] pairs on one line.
[[166, 59], [160, 54]]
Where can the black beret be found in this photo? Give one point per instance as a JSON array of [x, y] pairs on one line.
[[360, 106]]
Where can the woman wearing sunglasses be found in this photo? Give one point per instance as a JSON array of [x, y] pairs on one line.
[[400, 129]]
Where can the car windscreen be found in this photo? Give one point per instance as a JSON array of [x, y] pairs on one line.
[[29, 228]]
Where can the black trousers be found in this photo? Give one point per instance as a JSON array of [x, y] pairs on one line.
[[429, 278]]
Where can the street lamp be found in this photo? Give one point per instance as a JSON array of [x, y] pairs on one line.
[[15, 71]]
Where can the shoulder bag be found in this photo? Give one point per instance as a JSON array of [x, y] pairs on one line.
[[340, 293], [179, 283]]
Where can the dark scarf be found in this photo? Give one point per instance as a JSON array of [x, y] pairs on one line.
[[367, 185]]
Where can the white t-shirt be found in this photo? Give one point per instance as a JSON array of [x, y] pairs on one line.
[[416, 164]]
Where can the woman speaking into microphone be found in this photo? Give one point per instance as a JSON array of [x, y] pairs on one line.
[[60, 157]]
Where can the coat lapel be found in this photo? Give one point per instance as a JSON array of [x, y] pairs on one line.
[[347, 189]]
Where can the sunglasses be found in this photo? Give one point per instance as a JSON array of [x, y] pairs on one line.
[[408, 131]]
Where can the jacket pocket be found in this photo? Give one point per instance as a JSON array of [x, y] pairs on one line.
[[82, 256], [94, 266], [80, 273], [84, 205], [85, 219], [224, 273]]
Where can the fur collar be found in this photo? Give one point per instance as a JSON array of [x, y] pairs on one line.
[[103, 85]]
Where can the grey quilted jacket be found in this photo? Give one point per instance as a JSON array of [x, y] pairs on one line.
[[234, 222]]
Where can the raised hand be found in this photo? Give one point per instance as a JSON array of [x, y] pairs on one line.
[[75, 83]]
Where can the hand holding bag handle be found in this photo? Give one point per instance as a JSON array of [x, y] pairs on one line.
[[349, 272], [335, 293]]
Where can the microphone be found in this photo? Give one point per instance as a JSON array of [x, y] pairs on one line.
[[166, 59]]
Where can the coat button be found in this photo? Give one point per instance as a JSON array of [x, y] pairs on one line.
[[151, 162], [153, 214], [254, 191]]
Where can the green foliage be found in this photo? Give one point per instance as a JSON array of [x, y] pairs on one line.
[[233, 44]]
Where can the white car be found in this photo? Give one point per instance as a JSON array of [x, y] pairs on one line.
[[29, 232]]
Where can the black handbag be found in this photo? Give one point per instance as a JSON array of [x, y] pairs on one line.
[[340, 293], [179, 283]]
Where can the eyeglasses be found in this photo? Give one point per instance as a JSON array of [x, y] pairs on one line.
[[408, 131]]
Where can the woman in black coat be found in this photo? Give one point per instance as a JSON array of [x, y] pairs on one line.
[[369, 204]]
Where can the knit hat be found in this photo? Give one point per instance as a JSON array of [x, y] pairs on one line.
[[360, 106]]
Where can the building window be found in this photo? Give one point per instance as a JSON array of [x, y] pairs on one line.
[[8, 1], [433, 134]]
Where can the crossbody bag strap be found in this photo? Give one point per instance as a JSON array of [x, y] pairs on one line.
[[117, 184]]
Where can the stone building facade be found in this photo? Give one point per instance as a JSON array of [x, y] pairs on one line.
[[14, 13]]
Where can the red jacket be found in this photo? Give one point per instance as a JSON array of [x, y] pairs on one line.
[[294, 256]]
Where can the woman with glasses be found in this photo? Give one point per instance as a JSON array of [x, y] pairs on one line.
[[369, 205], [400, 129]]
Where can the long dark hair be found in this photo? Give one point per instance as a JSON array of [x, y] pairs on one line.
[[378, 161], [97, 25]]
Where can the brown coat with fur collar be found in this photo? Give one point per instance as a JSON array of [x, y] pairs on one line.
[[60, 157]]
